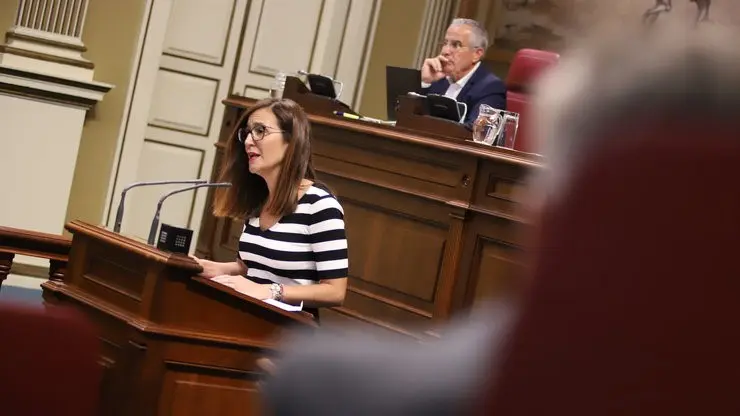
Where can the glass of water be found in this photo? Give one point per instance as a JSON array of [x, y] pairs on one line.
[[487, 125], [507, 134], [278, 85]]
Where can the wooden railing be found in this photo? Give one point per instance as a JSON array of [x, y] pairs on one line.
[[14, 241]]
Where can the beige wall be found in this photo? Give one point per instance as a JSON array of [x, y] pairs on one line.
[[8, 9], [396, 38], [111, 34]]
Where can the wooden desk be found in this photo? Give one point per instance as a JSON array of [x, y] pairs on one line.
[[431, 219]]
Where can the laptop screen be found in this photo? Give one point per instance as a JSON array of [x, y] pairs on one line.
[[400, 81]]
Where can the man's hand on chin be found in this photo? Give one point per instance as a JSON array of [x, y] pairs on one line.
[[434, 69]]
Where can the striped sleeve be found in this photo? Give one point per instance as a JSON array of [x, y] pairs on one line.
[[328, 238]]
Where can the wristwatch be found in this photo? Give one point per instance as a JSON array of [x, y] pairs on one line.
[[276, 290]]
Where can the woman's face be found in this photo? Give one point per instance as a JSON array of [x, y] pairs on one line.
[[265, 145]]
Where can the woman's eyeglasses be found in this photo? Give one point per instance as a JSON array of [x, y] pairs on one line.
[[258, 132]]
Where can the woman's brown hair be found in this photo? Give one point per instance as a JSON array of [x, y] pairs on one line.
[[248, 192]]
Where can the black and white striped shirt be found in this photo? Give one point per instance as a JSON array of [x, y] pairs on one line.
[[302, 248]]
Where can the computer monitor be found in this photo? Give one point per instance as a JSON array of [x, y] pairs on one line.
[[400, 81]]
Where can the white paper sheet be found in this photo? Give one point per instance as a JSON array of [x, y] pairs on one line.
[[285, 306]]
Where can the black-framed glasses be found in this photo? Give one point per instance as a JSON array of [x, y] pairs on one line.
[[258, 131]]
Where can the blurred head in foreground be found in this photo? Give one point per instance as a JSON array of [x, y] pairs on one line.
[[616, 81], [634, 293]]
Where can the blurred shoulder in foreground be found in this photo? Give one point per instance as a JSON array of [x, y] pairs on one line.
[[363, 372]]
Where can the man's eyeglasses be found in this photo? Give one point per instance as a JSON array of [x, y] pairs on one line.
[[258, 132], [452, 44]]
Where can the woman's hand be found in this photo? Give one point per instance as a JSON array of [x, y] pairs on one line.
[[245, 286], [212, 269]]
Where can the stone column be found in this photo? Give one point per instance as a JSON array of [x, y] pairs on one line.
[[46, 90]]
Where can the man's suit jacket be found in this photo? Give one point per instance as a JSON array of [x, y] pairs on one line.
[[482, 88]]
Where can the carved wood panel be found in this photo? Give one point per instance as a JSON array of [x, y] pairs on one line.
[[408, 238], [500, 188], [197, 390], [203, 378], [492, 261]]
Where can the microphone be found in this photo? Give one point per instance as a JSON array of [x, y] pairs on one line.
[[155, 220], [119, 213]]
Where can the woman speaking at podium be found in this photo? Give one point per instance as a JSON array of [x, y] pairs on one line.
[[293, 248]]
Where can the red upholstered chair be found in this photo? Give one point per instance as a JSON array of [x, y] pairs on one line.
[[526, 66], [48, 362], [635, 303]]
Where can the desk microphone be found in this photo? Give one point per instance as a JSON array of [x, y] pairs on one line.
[[177, 242], [119, 213]]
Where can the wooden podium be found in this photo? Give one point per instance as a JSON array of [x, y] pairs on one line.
[[172, 343]]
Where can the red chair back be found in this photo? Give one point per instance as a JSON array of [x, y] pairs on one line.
[[527, 65], [48, 362], [635, 303]]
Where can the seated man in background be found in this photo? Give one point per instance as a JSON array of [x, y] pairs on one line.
[[457, 71]]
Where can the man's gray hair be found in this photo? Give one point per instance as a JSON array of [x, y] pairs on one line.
[[619, 81], [479, 34]]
